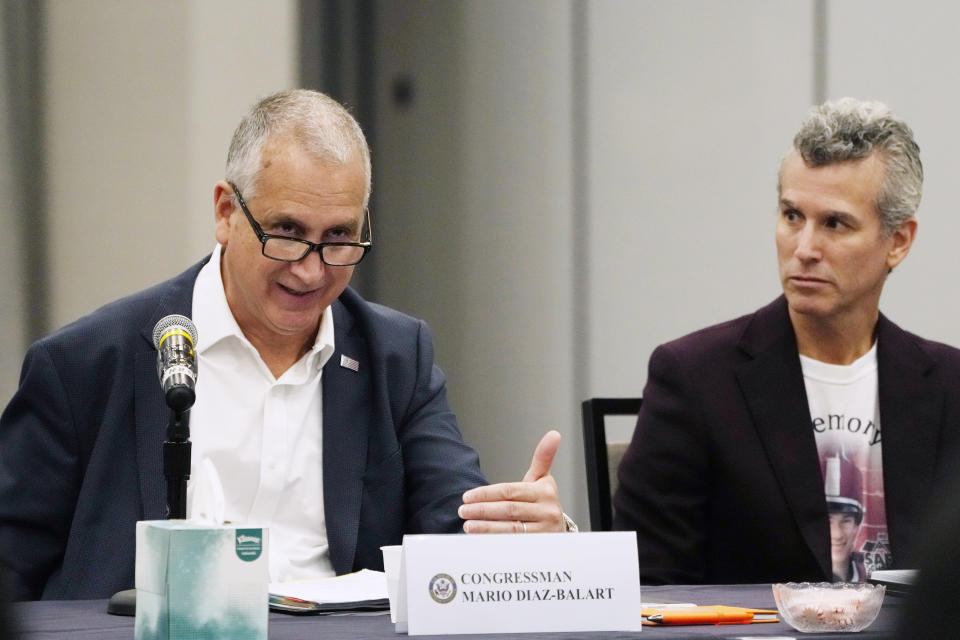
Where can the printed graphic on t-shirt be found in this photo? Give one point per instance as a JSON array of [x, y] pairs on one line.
[[855, 506], [845, 417]]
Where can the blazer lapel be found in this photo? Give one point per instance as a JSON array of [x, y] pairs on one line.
[[346, 423], [772, 385], [910, 417]]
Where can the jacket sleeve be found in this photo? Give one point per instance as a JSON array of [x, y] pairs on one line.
[[39, 476], [663, 481], [439, 465]]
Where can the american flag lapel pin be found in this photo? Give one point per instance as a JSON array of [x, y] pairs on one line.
[[349, 363]]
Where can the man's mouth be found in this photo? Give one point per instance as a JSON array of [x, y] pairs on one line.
[[295, 292]]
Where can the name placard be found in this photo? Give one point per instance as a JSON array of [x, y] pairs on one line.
[[515, 583]]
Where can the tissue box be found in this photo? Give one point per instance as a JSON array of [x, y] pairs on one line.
[[201, 581]]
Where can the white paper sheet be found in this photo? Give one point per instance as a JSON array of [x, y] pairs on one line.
[[352, 587]]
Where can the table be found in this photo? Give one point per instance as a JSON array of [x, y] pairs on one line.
[[88, 620]]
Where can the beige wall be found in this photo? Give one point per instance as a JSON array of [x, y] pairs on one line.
[[907, 58], [688, 122], [13, 311], [474, 207], [142, 99]]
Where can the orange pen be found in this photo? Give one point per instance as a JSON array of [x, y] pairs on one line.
[[703, 616]]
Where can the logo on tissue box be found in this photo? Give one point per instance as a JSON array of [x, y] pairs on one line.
[[249, 544]]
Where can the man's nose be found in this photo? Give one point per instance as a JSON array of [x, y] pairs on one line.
[[310, 269], [808, 244]]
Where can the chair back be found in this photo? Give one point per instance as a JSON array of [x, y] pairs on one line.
[[603, 457]]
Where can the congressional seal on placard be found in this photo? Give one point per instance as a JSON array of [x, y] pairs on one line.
[[443, 588]]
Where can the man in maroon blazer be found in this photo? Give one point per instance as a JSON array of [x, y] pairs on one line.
[[723, 479]]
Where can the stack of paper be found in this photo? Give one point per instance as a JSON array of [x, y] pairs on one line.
[[361, 592]]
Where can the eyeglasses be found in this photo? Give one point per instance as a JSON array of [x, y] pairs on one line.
[[335, 254]]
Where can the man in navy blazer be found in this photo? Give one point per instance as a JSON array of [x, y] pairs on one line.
[[722, 480], [80, 442]]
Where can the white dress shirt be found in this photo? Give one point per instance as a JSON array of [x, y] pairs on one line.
[[262, 435]]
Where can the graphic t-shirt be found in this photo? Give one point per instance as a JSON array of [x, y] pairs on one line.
[[845, 417]]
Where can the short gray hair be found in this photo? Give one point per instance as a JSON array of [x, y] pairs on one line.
[[850, 129], [316, 122]]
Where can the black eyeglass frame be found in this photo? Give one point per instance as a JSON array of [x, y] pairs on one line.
[[309, 246]]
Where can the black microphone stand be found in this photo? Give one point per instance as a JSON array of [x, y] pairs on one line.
[[176, 469], [175, 337], [176, 463]]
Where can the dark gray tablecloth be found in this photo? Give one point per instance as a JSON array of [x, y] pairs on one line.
[[88, 620]]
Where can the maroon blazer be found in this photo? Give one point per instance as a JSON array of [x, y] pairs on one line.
[[722, 480]]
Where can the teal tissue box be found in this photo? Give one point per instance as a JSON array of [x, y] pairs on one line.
[[197, 581]]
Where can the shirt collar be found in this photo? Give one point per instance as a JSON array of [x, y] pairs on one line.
[[215, 321]]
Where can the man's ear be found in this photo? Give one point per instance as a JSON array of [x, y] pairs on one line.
[[902, 241], [224, 205]]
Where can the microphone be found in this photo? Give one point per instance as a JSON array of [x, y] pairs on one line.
[[175, 338]]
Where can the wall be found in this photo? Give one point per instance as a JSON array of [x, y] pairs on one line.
[[13, 311], [687, 125], [142, 100], [907, 59], [474, 214]]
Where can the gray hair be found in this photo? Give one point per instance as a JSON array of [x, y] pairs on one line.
[[850, 129], [316, 122]]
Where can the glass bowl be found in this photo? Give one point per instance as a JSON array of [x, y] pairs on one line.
[[818, 607]]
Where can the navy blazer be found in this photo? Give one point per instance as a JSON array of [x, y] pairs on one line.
[[722, 480], [81, 440]]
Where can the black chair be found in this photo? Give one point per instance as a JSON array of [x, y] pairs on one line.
[[603, 458]]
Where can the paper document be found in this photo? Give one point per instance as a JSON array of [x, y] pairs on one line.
[[364, 590], [895, 580]]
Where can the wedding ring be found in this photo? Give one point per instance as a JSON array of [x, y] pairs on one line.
[[524, 525]]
